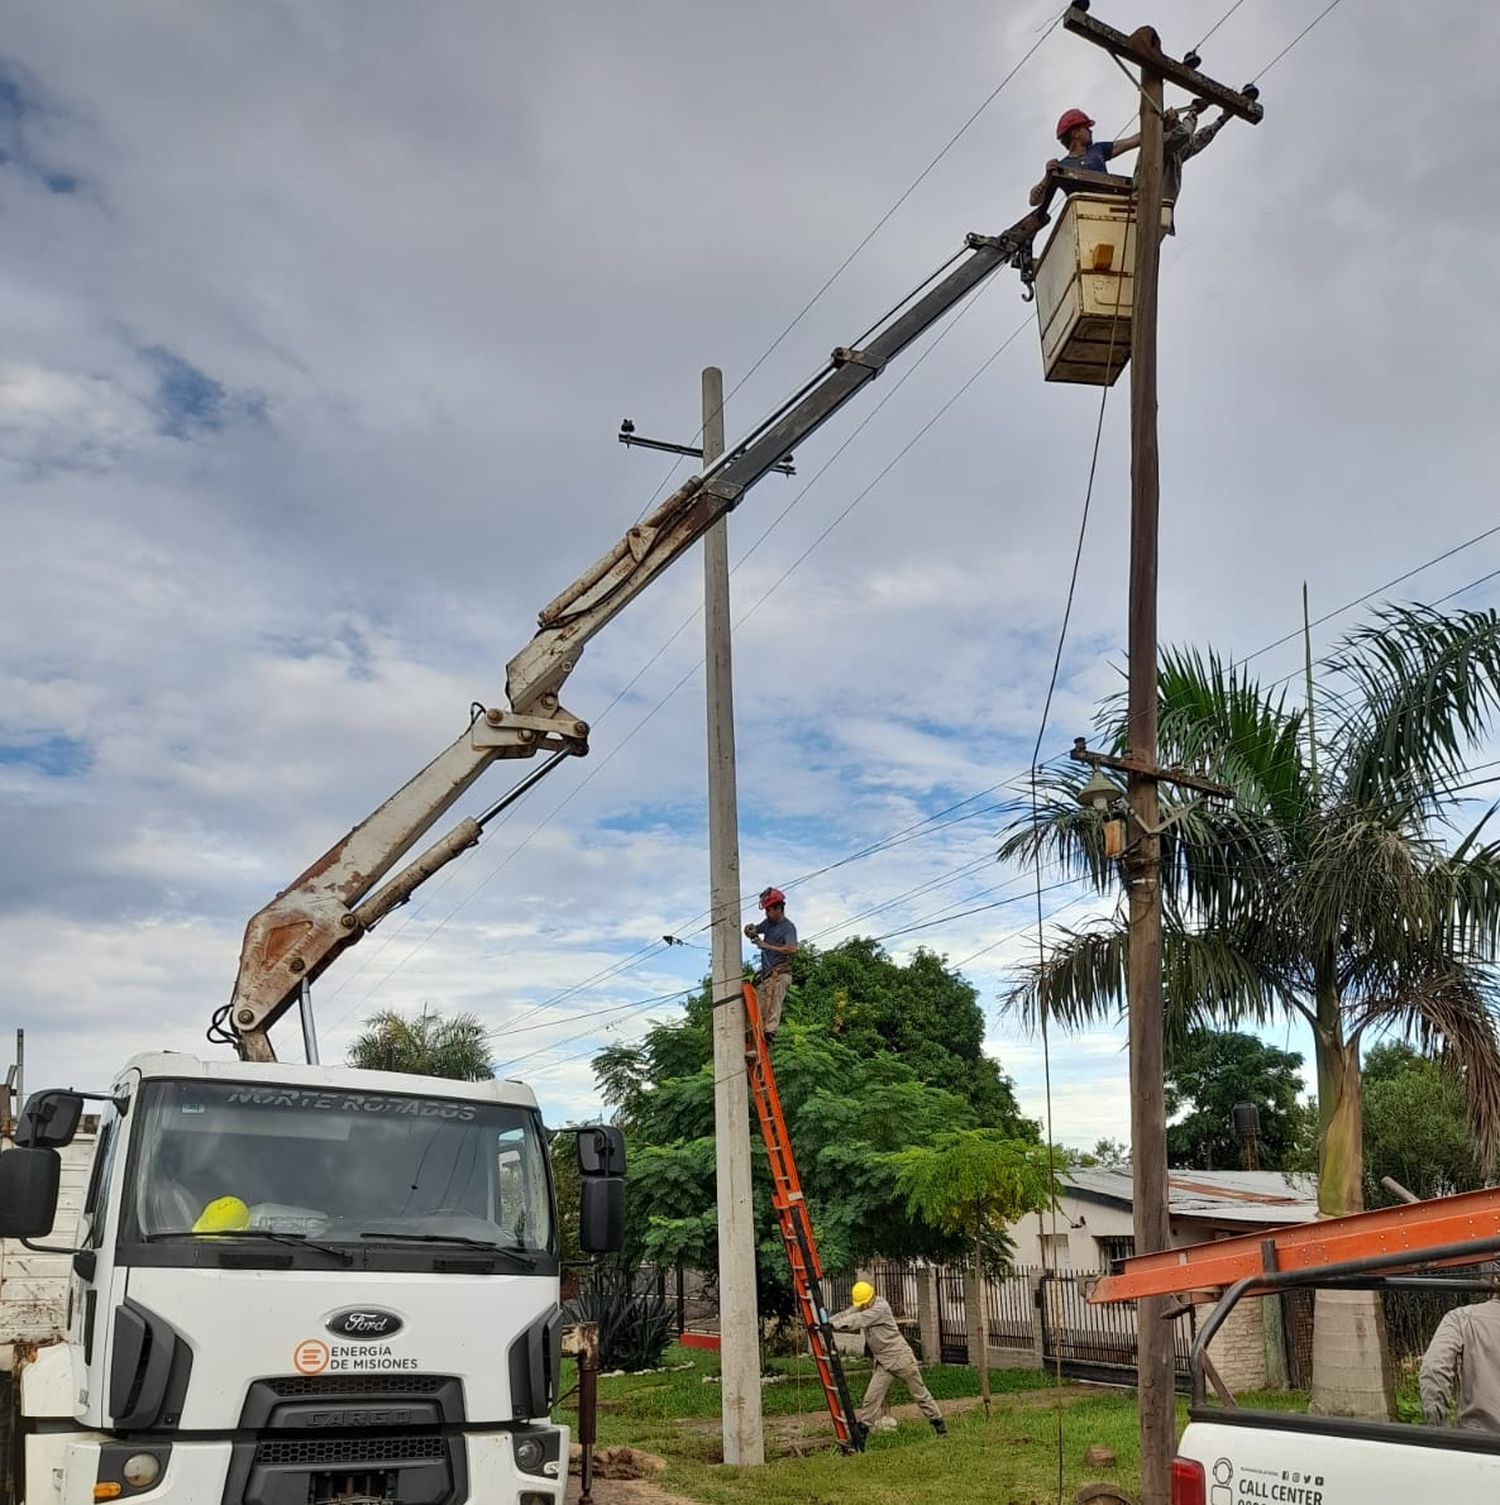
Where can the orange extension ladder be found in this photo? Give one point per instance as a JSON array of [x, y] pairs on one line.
[[1444, 1231], [797, 1234]]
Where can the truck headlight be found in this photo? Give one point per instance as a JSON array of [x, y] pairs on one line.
[[141, 1470], [529, 1454]]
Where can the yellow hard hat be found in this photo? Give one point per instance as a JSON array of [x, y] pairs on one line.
[[863, 1293], [223, 1215]]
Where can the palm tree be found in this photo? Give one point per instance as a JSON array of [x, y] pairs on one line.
[[426, 1045], [1335, 888]]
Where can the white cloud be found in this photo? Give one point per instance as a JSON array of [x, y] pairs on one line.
[[430, 260]]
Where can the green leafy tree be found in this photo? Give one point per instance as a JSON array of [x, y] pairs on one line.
[[425, 1044], [1208, 1072], [851, 1098], [1416, 1128], [1334, 888], [920, 1010], [1107, 1154], [973, 1184]]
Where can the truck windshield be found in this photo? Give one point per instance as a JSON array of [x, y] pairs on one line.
[[214, 1158]]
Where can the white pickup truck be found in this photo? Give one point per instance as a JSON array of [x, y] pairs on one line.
[[1231, 1455]]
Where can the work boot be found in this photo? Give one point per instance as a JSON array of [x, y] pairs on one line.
[[940, 1427]]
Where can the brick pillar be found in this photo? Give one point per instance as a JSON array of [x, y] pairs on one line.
[[927, 1314], [1238, 1350]]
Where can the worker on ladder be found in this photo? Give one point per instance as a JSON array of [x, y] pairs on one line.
[[777, 938], [894, 1360]]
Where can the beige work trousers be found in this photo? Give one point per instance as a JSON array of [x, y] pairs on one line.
[[880, 1382], [771, 994]]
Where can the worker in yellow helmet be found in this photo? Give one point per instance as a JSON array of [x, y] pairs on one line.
[[894, 1360], [223, 1215]]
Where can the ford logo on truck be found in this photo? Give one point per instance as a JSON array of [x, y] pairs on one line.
[[364, 1323]]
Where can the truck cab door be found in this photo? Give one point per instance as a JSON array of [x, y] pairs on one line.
[[89, 1302]]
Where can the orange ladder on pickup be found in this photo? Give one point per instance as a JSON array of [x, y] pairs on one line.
[[797, 1234], [1443, 1231]]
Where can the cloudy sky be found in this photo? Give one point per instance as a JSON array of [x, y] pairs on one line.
[[319, 323]]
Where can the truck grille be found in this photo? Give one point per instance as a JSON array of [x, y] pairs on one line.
[[292, 1385], [349, 1452]]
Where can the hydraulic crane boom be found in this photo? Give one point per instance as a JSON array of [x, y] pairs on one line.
[[295, 938]]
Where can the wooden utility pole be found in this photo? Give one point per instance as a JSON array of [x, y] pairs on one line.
[[1148, 1120], [739, 1319], [1148, 1134]]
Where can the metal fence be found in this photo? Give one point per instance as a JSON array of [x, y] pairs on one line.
[[1097, 1342], [1010, 1306], [1031, 1309], [952, 1313], [1028, 1310]]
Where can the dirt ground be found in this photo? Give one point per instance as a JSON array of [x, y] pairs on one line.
[[624, 1476]]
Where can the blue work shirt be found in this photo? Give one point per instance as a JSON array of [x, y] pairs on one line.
[[1093, 158], [780, 933]]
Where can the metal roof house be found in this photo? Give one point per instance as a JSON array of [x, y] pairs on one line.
[[1093, 1218]]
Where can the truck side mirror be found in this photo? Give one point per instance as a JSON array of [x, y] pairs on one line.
[[601, 1215], [29, 1181], [49, 1120], [601, 1151]]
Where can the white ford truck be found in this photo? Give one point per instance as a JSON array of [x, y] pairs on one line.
[[288, 1285]]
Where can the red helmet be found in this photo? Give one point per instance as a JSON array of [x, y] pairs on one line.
[[770, 896], [1070, 119]]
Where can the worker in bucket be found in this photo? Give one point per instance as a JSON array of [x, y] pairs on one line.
[[894, 1360], [1465, 1349], [777, 938], [1075, 131]]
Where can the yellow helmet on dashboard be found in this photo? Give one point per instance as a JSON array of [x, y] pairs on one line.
[[223, 1215]]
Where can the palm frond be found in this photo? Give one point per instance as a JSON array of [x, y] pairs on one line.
[[1063, 831], [1080, 982], [1364, 891], [1425, 691], [1213, 715], [1213, 975], [1466, 893], [1222, 862], [1222, 976]]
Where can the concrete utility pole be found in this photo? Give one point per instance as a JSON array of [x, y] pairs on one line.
[[1148, 1134], [739, 1317]]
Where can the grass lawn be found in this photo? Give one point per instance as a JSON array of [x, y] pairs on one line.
[[1009, 1460]]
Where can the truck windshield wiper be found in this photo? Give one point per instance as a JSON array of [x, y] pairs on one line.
[[296, 1240], [516, 1256]]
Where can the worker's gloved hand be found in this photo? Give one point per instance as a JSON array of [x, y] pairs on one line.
[[750, 931]]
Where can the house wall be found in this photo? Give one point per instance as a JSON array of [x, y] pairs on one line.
[[1084, 1222]]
